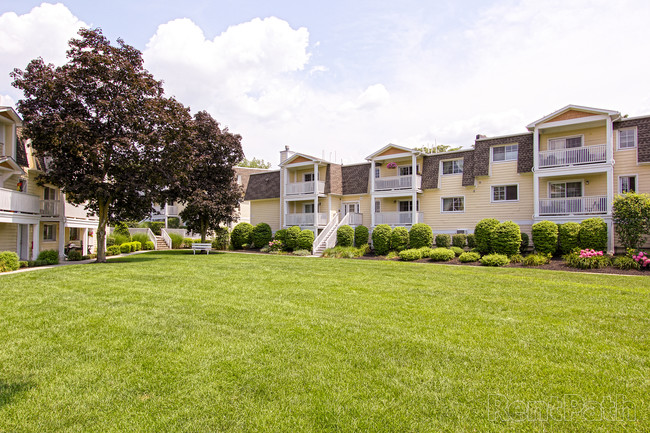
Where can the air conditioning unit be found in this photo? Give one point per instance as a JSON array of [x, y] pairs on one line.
[[461, 231]]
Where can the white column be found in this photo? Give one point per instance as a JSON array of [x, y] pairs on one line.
[[61, 236], [372, 193], [609, 156], [372, 176], [414, 217], [316, 211], [329, 208], [84, 251], [36, 237], [316, 191], [535, 195], [610, 189], [535, 149]]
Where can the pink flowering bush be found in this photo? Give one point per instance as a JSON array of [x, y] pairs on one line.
[[275, 245], [587, 259], [642, 259]]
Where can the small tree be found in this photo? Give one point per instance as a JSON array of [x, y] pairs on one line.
[[507, 238], [631, 216], [483, 233], [420, 236], [241, 235], [381, 239], [545, 237], [262, 235], [361, 235]]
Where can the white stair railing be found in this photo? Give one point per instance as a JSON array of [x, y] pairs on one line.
[[166, 238], [328, 238], [326, 231], [152, 238]]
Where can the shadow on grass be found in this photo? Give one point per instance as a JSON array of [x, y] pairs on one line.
[[10, 390]]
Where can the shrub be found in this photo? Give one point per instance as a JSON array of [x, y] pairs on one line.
[[113, 250], [140, 237], [525, 241], [391, 255], [281, 235], [302, 252], [642, 260], [381, 239], [495, 260], [262, 235], [306, 240], [155, 226], [399, 239], [23, 264], [545, 237], [188, 242], [537, 259], [291, 240], [276, 245], [471, 240], [9, 261], [221, 238], [517, 258], [568, 237], [345, 252], [74, 256], [148, 245], [506, 238], [468, 257], [241, 235], [442, 255], [457, 250], [345, 236], [631, 216], [420, 236], [426, 252], [483, 233], [626, 263], [443, 240], [174, 223], [459, 240], [177, 240], [121, 228], [587, 259], [361, 236], [136, 246], [48, 257], [410, 254], [125, 248], [116, 239], [593, 234]]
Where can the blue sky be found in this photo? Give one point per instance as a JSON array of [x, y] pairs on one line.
[[346, 78]]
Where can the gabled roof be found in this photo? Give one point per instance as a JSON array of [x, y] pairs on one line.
[[11, 113], [8, 163], [394, 146], [302, 158], [588, 110]]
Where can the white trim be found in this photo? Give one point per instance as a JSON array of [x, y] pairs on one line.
[[407, 152], [492, 161], [496, 137], [549, 182], [618, 183], [570, 107], [505, 200], [54, 224], [442, 204], [374, 208], [565, 137], [636, 138], [442, 172]]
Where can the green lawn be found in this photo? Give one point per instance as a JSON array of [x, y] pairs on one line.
[[169, 341]]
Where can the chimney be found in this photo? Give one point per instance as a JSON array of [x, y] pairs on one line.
[[285, 154], [479, 136]]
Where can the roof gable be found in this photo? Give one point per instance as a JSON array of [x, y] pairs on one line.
[[391, 149], [298, 158], [571, 112]]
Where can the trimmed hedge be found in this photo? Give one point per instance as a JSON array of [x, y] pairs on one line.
[[536, 259], [484, 233], [281, 235], [381, 239], [148, 245], [306, 240], [495, 260], [241, 235], [9, 261], [125, 248], [74, 256], [291, 239], [361, 236], [593, 234], [399, 239], [261, 235], [442, 255], [443, 240], [459, 240], [471, 240], [568, 237], [545, 237], [113, 250], [420, 236], [469, 257], [506, 238], [345, 236], [410, 254], [457, 250], [48, 257]]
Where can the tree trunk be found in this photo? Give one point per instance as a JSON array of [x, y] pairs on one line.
[[204, 230], [101, 232]]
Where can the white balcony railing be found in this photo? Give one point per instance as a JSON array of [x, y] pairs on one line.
[[294, 188], [74, 211], [356, 219], [397, 182], [50, 208], [573, 156], [14, 201], [573, 205], [396, 218], [304, 219]]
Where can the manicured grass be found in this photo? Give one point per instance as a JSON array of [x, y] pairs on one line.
[[168, 341]]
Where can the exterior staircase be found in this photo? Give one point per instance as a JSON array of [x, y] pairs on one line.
[[327, 238], [160, 243]]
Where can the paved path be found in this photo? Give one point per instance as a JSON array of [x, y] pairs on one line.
[[67, 263]]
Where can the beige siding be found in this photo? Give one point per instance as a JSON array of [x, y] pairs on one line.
[[365, 206], [388, 172], [592, 136], [626, 165], [597, 183], [8, 236], [266, 211], [245, 211]]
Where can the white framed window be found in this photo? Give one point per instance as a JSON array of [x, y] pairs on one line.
[[308, 177], [377, 206], [308, 208], [627, 184], [407, 170], [565, 189], [502, 193], [49, 232], [454, 166], [75, 233], [505, 153], [407, 206], [627, 138], [377, 172], [453, 204], [565, 142], [49, 193], [352, 207], [239, 182]]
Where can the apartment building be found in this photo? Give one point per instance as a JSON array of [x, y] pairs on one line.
[[34, 218], [568, 166]]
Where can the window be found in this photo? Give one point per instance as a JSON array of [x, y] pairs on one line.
[[453, 204], [49, 232], [308, 177], [505, 193], [49, 193], [376, 173], [239, 182], [505, 153], [74, 234], [309, 208], [377, 206], [564, 143], [407, 206], [627, 138], [626, 184], [405, 170], [452, 167], [565, 189], [350, 208]]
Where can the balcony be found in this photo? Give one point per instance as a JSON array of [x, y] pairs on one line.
[[18, 202], [77, 212], [50, 208], [396, 218], [356, 219], [304, 188], [304, 219], [573, 156], [593, 205], [391, 183]]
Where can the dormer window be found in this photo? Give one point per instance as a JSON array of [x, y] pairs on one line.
[[452, 167], [505, 153], [627, 138]]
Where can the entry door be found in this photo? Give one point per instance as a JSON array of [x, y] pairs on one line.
[[350, 208], [23, 241]]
